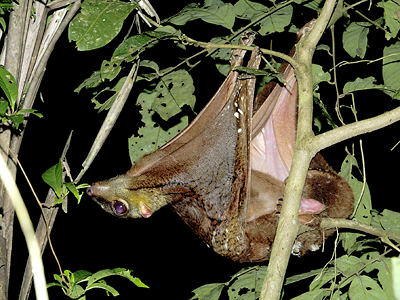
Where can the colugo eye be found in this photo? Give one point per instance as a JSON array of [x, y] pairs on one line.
[[119, 207]]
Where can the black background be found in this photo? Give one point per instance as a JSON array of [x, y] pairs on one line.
[[161, 250]]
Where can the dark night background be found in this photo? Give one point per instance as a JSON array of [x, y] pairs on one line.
[[161, 251]]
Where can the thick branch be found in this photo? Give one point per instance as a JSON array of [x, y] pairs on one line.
[[345, 132], [288, 227], [288, 222]]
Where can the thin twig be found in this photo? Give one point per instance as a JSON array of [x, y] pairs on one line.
[[337, 105], [43, 229], [208, 45], [41, 209]]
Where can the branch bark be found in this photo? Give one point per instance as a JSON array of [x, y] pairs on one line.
[[13, 58], [345, 132], [288, 225]]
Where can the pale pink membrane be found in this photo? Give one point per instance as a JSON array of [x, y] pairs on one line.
[[311, 206]]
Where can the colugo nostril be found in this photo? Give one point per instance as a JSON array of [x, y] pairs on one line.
[[89, 191]]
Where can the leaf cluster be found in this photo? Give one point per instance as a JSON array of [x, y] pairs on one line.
[[53, 176], [10, 115], [76, 284]]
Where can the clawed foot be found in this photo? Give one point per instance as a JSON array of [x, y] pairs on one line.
[[278, 206]]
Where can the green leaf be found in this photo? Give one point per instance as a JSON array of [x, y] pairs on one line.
[[53, 177], [363, 213], [323, 47], [277, 21], [348, 265], [81, 276], [322, 278], [390, 220], [3, 107], [349, 241], [313, 295], [363, 287], [51, 284], [361, 84], [104, 286], [82, 186], [391, 12], [128, 50], [57, 278], [76, 291], [324, 110], [168, 29], [386, 277], [150, 64], [249, 10], [58, 201], [223, 55], [17, 120], [72, 188], [29, 111], [319, 75], [312, 4], [115, 272], [302, 276], [173, 92], [210, 291], [101, 106], [391, 70], [247, 285], [395, 264], [151, 136], [217, 13], [93, 81], [355, 39], [9, 86], [98, 22]]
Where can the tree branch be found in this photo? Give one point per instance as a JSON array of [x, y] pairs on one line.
[[345, 132], [350, 224], [110, 120], [288, 225]]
